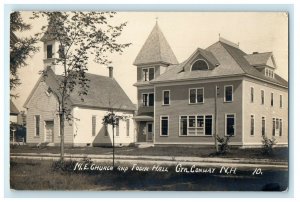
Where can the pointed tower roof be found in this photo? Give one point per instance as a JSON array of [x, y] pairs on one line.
[[52, 32], [48, 35], [156, 50]]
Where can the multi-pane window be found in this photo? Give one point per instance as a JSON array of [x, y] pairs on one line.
[[166, 97], [252, 125], [37, 125], [263, 126], [228, 94], [280, 101], [145, 99], [164, 126], [251, 94], [148, 74], [277, 127], [196, 95], [273, 126], [49, 51], [93, 125], [262, 94], [196, 125], [269, 73], [280, 127], [272, 99], [199, 65], [230, 124], [148, 99]]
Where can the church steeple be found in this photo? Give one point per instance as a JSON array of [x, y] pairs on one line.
[[51, 47], [156, 50]]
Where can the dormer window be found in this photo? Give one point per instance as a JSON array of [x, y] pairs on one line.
[[199, 65], [148, 74], [49, 51], [269, 73]]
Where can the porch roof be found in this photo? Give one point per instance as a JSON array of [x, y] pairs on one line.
[[143, 118]]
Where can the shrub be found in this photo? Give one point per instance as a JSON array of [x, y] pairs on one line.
[[66, 166], [223, 143], [69, 165], [268, 145]]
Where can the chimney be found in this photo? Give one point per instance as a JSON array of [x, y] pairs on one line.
[[110, 68]]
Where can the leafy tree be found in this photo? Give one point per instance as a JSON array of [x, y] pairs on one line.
[[80, 35], [20, 48]]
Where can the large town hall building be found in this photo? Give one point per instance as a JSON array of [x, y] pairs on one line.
[[219, 89]]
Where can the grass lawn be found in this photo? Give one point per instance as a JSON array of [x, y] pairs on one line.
[[253, 153], [40, 175]]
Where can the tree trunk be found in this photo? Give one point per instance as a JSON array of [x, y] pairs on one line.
[[113, 126], [62, 135]]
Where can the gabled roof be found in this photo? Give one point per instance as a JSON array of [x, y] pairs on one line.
[[209, 56], [103, 92], [238, 55], [232, 63], [13, 109], [156, 50], [258, 59]]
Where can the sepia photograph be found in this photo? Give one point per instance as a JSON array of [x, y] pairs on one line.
[[149, 101]]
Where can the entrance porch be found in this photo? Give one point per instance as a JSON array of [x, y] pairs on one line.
[[145, 129]]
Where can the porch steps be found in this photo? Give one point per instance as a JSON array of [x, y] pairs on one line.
[[144, 144]]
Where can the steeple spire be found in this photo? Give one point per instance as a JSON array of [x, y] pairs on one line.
[[48, 35], [156, 50]]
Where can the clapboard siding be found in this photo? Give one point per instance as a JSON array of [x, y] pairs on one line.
[[264, 110], [103, 136], [180, 106], [144, 109], [46, 106]]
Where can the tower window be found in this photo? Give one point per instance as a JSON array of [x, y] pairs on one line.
[[49, 51], [61, 51], [199, 65], [148, 99], [148, 74]]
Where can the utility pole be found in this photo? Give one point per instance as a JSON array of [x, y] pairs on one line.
[[216, 114], [113, 142]]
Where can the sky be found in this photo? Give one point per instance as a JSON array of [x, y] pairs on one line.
[[255, 32]]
